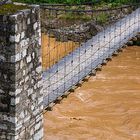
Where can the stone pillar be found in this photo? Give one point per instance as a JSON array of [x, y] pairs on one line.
[[21, 99]]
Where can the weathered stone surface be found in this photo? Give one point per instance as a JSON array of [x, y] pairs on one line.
[[21, 99], [78, 30]]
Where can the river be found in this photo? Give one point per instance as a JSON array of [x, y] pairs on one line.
[[107, 107], [53, 50]]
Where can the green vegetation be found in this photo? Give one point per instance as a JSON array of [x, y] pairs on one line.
[[74, 16], [102, 18], [78, 1], [11, 8]]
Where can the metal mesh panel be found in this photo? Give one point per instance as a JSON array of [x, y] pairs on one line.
[[77, 39]]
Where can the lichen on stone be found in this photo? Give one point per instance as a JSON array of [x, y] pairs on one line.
[[11, 8]]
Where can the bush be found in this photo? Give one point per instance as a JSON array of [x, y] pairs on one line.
[[54, 1], [76, 1]]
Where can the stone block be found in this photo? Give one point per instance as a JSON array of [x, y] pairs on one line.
[[21, 97]]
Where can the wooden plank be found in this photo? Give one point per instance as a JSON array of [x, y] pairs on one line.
[[115, 53], [99, 68], [93, 73], [58, 100], [104, 62], [86, 78], [50, 106], [65, 95]]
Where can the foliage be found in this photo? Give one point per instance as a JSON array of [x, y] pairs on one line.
[[77, 1], [51, 1], [102, 18], [11, 8]]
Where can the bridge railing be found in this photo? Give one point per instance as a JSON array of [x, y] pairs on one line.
[[70, 26], [77, 39]]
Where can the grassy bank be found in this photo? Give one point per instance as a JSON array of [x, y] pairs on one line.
[[11, 8], [78, 1]]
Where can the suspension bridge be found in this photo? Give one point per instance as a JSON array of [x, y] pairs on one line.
[[72, 68], [23, 95]]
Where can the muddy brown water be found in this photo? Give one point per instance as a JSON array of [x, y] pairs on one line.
[[53, 50], [107, 107]]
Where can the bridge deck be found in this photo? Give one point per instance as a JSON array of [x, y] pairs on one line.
[[75, 66]]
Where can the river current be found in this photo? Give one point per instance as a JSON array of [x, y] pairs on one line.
[[107, 107]]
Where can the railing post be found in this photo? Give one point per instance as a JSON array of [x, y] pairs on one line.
[[21, 99]]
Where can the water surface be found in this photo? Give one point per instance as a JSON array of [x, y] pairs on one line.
[[105, 108], [53, 50]]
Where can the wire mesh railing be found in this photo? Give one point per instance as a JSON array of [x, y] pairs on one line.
[[77, 39]]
